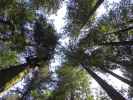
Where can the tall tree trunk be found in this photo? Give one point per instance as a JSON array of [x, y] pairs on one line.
[[99, 2], [117, 76], [7, 74], [13, 71], [113, 94], [123, 43]]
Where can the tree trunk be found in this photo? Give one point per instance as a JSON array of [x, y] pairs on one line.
[[7, 74], [30, 81], [113, 94], [13, 71], [122, 63], [99, 2], [123, 43], [72, 96], [117, 76], [119, 31]]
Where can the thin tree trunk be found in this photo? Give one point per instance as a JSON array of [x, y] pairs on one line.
[[72, 96], [119, 31], [122, 63], [117, 76], [115, 32], [123, 43], [113, 94]]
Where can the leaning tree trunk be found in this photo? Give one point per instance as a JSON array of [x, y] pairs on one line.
[[123, 43], [117, 76], [29, 80], [113, 94], [7, 74], [98, 3]]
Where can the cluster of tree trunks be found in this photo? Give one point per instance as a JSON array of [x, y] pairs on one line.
[[113, 94], [117, 76]]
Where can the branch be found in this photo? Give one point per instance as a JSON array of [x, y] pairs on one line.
[[119, 31], [123, 43]]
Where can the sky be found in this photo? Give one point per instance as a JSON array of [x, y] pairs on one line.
[[59, 17], [59, 22], [101, 10]]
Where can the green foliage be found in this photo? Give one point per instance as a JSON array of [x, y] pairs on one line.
[[5, 4], [17, 42], [130, 32], [43, 75], [19, 13], [74, 82], [41, 37], [78, 14], [94, 60], [43, 96], [7, 58], [45, 38], [50, 5], [75, 56]]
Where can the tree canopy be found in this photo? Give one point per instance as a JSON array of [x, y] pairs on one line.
[[29, 43]]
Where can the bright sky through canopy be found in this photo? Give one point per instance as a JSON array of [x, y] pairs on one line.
[[59, 18], [101, 10]]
